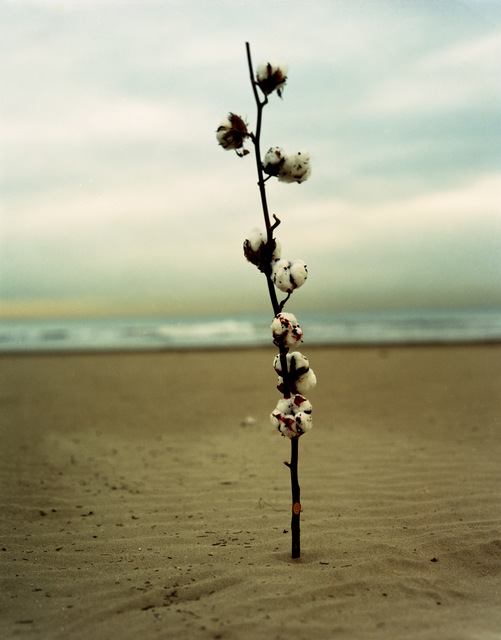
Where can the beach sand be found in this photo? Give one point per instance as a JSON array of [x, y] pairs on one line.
[[137, 502]]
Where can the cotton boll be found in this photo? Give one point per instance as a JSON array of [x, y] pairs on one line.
[[257, 251], [298, 273], [287, 275], [295, 168], [280, 275], [292, 416], [256, 239], [286, 167], [232, 132], [305, 382], [273, 160], [272, 76], [301, 378], [266, 69], [286, 330], [283, 322]]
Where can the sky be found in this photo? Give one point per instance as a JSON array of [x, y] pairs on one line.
[[116, 198]]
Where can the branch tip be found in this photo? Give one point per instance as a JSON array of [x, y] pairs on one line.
[[276, 223]]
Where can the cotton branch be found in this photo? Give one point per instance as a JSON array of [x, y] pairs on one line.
[[292, 415]]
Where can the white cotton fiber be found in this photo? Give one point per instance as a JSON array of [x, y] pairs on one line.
[[295, 362], [274, 155], [301, 363], [301, 404], [272, 76], [292, 416], [285, 405], [288, 429], [305, 382], [287, 275], [275, 418], [280, 275], [304, 421], [279, 326], [298, 273], [287, 167], [267, 69], [256, 250], [225, 124], [286, 319], [286, 330], [232, 133], [296, 167], [256, 239], [301, 378], [302, 384]]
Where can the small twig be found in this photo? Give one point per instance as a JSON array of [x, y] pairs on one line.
[[284, 301], [276, 223]]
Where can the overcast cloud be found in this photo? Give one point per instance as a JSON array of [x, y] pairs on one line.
[[115, 195]]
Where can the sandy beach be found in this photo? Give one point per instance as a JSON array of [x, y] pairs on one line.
[[138, 501]]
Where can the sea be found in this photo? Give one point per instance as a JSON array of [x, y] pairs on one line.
[[243, 331]]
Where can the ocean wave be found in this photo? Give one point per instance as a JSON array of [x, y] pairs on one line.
[[87, 334]]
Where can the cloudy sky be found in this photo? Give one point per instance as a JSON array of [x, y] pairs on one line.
[[116, 198]]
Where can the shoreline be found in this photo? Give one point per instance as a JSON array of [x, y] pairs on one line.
[[487, 342]]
